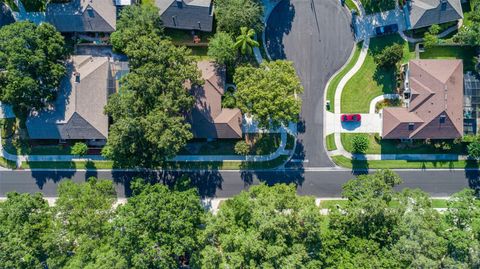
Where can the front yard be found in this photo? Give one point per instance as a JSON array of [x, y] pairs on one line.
[[393, 146], [371, 81]]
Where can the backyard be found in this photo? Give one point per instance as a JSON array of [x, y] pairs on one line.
[[466, 53], [371, 81], [393, 146]]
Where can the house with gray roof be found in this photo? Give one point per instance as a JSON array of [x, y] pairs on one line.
[[77, 113], [186, 14], [425, 13], [83, 16]]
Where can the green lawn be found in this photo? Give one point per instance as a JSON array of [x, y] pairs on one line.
[[466, 53], [393, 146], [436, 203], [371, 81], [330, 142], [374, 6], [147, 2], [402, 164], [264, 144], [336, 80], [351, 6]]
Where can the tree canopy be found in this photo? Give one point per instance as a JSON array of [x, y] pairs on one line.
[[222, 48], [231, 15], [470, 34], [31, 65], [269, 93], [149, 114]]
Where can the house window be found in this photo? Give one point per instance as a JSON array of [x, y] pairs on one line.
[[410, 126], [442, 118]]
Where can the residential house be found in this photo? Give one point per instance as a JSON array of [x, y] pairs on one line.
[[208, 119], [78, 110], [434, 91], [187, 14], [83, 16], [425, 13]]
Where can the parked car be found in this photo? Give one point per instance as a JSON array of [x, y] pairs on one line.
[[351, 118], [386, 30]]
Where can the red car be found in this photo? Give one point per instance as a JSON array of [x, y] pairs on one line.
[[351, 117]]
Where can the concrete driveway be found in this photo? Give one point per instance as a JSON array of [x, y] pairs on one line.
[[316, 35]]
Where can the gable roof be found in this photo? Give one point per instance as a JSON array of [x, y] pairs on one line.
[[78, 110], [83, 16], [208, 118], [424, 13], [186, 14], [436, 92]]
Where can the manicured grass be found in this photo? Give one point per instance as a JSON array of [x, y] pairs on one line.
[[393, 146], [436, 203], [7, 163], [374, 6], [93, 165], [466, 53], [351, 6], [264, 144], [402, 164], [371, 81], [330, 142], [332, 87], [147, 2], [290, 142]]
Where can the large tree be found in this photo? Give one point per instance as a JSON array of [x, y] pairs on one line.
[[222, 48], [31, 65], [24, 224], [231, 15], [149, 114], [269, 93], [158, 227], [135, 21], [266, 227], [470, 34]]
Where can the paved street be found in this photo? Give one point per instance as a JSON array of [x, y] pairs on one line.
[[316, 36], [228, 183]]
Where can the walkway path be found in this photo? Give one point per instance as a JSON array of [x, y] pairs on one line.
[[377, 99]]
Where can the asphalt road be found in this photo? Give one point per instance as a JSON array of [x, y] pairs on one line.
[[325, 183], [316, 36]]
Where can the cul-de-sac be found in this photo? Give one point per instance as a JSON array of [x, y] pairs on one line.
[[240, 134]]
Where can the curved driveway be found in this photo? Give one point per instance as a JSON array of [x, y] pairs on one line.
[[316, 36]]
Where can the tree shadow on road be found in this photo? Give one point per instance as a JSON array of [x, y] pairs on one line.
[[42, 177], [472, 173], [279, 24]]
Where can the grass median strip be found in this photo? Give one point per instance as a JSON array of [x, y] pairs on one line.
[[402, 164], [332, 87], [330, 142]]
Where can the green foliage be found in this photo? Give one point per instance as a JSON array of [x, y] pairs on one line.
[[228, 99], [390, 56], [222, 48], [430, 38], [360, 143], [266, 227], [269, 93], [158, 228], [32, 59], [79, 149], [470, 34], [148, 116], [230, 15], [135, 21], [245, 42], [242, 148], [474, 148]]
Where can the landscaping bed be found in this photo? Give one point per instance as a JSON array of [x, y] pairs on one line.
[[395, 146], [371, 81]]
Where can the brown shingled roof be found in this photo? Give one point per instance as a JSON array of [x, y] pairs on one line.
[[436, 92], [208, 119]]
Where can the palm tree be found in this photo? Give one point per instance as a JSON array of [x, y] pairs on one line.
[[245, 41]]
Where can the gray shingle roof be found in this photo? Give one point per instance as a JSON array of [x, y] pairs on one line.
[[424, 13], [187, 15], [78, 110], [83, 16]]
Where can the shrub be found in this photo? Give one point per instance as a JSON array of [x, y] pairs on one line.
[[79, 149], [242, 148], [221, 48], [390, 56], [474, 149], [360, 143]]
